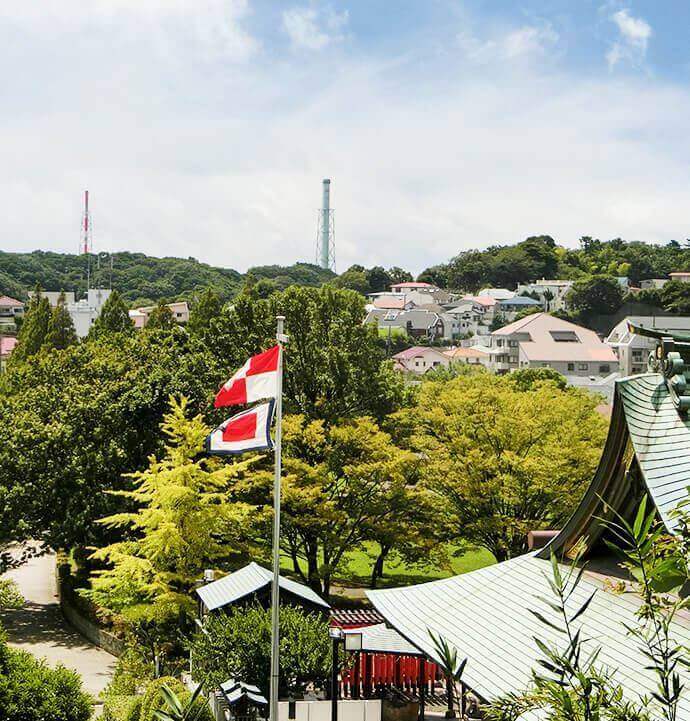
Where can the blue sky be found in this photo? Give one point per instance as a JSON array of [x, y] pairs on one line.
[[204, 127]]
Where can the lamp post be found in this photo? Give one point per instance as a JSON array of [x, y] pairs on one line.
[[336, 634]]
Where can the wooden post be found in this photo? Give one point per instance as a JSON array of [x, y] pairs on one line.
[[367, 660], [354, 690], [421, 686]]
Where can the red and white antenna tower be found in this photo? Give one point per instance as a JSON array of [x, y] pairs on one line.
[[85, 246]]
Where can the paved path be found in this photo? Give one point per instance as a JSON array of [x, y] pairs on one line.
[[40, 628]]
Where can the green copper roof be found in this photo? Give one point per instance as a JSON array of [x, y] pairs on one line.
[[484, 614], [660, 436]]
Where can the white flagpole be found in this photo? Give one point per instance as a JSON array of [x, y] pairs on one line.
[[275, 594]]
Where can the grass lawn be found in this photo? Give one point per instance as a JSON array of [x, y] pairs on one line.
[[357, 572]]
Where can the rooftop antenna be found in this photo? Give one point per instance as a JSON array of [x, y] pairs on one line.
[[85, 246], [325, 230]]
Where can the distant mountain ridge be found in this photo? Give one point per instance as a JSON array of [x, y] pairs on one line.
[[142, 278]]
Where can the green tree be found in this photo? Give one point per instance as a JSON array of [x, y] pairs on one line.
[[182, 525], [378, 279], [60, 333], [238, 645], [32, 334], [76, 422], [334, 366], [207, 307], [114, 317], [498, 321], [161, 318], [354, 278], [675, 297], [398, 275], [593, 296], [342, 485], [500, 460]]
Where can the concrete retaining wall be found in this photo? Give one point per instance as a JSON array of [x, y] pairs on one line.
[[85, 626]]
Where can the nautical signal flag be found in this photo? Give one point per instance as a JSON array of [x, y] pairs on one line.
[[256, 380], [246, 431]]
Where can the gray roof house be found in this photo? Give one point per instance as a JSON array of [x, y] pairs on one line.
[[484, 614]]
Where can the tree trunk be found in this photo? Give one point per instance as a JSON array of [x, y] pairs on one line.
[[377, 569], [313, 577]]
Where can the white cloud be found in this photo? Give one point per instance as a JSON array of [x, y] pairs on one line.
[[428, 156], [633, 39], [212, 28], [311, 29], [525, 43]]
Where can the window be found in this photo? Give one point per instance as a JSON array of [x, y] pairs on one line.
[[512, 344], [499, 343], [605, 368], [544, 365], [564, 336], [637, 354], [571, 366], [583, 366]]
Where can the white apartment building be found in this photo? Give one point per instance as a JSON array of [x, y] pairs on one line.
[[85, 311], [543, 341], [633, 350]]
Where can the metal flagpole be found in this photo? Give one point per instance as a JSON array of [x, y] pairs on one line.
[[275, 594]]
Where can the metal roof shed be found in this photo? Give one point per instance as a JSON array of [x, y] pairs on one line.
[[253, 583]]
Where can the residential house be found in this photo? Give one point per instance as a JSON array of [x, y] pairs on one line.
[[10, 310], [551, 293], [7, 344], [409, 286], [468, 318], [544, 341], [510, 307], [179, 310], [420, 359], [682, 275], [471, 356], [390, 302], [633, 350], [497, 293], [416, 322]]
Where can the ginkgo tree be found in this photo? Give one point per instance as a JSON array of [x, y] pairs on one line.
[[184, 523]]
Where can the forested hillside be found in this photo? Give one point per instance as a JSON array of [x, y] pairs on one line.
[[540, 257], [141, 278]]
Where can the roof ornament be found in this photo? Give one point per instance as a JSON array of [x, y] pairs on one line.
[[671, 358]]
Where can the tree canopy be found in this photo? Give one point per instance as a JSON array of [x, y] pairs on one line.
[[238, 645], [182, 523], [502, 460]]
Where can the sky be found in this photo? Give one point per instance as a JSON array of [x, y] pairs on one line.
[[203, 128]]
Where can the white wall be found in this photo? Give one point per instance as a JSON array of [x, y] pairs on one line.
[[348, 710]]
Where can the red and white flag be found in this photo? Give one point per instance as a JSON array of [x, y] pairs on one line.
[[255, 380], [246, 431]]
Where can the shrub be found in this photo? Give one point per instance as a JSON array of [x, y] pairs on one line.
[[32, 691], [153, 701], [238, 645], [122, 708]]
